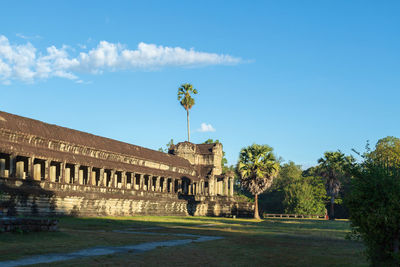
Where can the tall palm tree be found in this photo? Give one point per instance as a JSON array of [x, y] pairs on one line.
[[257, 167], [186, 100], [334, 168]]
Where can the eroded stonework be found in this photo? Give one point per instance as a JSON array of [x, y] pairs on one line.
[[48, 169]]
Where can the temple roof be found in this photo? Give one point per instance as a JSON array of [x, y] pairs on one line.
[[29, 126]]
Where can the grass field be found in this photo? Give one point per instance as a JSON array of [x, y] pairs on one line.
[[246, 242]]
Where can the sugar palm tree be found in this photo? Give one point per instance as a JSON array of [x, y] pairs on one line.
[[186, 100], [334, 168], [257, 167]]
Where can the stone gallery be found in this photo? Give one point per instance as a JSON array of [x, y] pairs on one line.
[[51, 170]]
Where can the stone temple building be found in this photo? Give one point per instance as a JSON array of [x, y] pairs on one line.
[[51, 170]]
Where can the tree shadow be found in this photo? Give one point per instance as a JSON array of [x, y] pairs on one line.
[[19, 192], [191, 203]]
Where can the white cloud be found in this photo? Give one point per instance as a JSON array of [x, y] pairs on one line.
[[20, 35], [24, 63], [206, 128]]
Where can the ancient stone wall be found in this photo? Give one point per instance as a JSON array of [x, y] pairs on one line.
[[32, 198]]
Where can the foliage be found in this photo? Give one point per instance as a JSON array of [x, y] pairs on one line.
[[186, 100], [305, 196], [257, 167], [167, 146], [374, 202], [224, 161], [335, 169], [374, 205], [292, 192], [387, 149]]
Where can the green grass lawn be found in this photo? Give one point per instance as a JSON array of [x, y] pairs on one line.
[[274, 242]]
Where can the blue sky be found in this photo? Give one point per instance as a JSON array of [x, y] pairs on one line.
[[304, 77]]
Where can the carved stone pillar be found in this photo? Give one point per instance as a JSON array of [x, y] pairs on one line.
[[90, 176], [12, 166], [31, 169], [2, 167], [225, 193], [62, 172], [172, 186], [123, 179], [141, 181], [113, 181], [150, 183], [52, 173], [165, 184], [76, 173], [157, 185], [102, 178], [47, 170], [180, 189], [231, 183]]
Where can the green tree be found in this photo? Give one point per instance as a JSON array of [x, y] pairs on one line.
[[257, 167], [305, 195], [335, 168], [167, 146], [374, 205], [387, 149], [272, 201], [186, 100]]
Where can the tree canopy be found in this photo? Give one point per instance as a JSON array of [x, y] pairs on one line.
[[186, 100], [335, 169], [374, 205], [387, 149], [257, 167]]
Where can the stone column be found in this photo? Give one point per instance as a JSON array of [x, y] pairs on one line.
[[157, 185], [211, 185], [76, 173], [231, 180], [31, 169], [101, 177], [67, 175], [133, 181], [225, 193], [113, 182], [80, 176], [141, 181], [62, 172], [3, 167], [53, 173], [151, 183], [165, 184], [37, 171], [180, 189], [12, 166], [19, 169], [91, 176], [123, 179], [47, 170]]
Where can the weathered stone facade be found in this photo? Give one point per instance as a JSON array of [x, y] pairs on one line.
[[47, 169]]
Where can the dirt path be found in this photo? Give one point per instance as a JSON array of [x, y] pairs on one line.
[[100, 251]]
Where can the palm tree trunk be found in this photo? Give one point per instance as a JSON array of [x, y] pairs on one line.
[[188, 126], [332, 213], [256, 215]]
